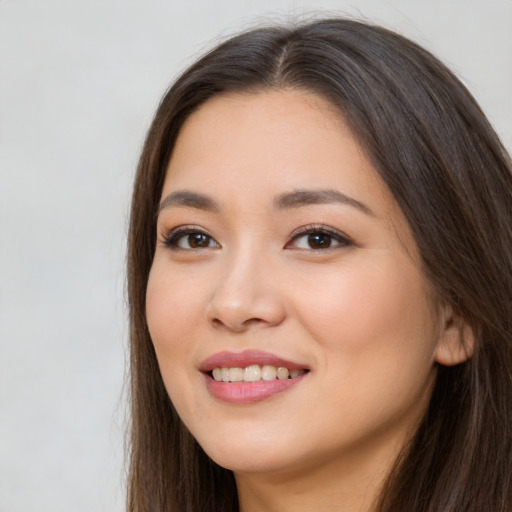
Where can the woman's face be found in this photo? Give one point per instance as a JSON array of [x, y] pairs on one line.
[[280, 251]]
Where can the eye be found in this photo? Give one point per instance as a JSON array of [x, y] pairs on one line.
[[189, 238], [318, 238]]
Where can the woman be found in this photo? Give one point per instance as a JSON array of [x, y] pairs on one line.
[[320, 262]]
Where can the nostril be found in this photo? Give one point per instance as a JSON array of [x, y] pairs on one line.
[[216, 322], [253, 321], [234, 325]]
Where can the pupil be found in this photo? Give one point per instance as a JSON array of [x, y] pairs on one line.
[[198, 240], [319, 241]]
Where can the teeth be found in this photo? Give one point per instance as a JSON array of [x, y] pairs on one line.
[[282, 373], [236, 374], [252, 373], [268, 372], [255, 373]]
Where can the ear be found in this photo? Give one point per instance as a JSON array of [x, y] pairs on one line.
[[456, 342]]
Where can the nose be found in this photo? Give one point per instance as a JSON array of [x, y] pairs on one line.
[[247, 293]]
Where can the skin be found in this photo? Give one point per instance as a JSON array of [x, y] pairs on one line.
[[359, 315]]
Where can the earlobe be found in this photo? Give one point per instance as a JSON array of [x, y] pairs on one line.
[[456, 341]]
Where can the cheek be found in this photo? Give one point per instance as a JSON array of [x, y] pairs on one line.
[[373, 310], [376, 332], [171, 309]]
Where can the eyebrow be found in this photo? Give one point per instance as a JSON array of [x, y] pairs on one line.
[[299, 198], [188, 199], [295, 199]]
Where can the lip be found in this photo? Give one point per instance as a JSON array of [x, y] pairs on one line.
[[248, 392]]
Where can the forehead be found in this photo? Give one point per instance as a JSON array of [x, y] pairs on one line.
[[239, 146], [278, 132]]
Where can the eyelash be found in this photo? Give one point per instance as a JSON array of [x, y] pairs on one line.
[[173, 239], [314, 229]]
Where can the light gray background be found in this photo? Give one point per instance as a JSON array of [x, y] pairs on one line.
[[79, 81]]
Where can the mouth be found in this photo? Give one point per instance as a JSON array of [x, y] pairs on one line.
[[250, 376], [254, 373]]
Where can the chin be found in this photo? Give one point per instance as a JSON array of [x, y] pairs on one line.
[[248, 454], [243, 462]]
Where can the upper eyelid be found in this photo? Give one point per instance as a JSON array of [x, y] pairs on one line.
[[184, 228], [318, 228]]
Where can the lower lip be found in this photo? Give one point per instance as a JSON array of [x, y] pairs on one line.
[[248, 392]]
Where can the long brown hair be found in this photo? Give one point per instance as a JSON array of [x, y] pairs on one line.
[[444, 164]]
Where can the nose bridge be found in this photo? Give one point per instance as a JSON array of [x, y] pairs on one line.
[[245, 291]]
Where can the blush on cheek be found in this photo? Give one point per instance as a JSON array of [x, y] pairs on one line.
[[368, 309], [168, 300]]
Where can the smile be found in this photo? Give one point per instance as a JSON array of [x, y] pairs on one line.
[[254, 373], [250, 376]]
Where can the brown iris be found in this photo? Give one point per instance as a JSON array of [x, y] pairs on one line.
[[198, 240], [319, 241]]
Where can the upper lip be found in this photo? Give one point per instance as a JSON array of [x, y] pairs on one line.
[[226, 359]]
